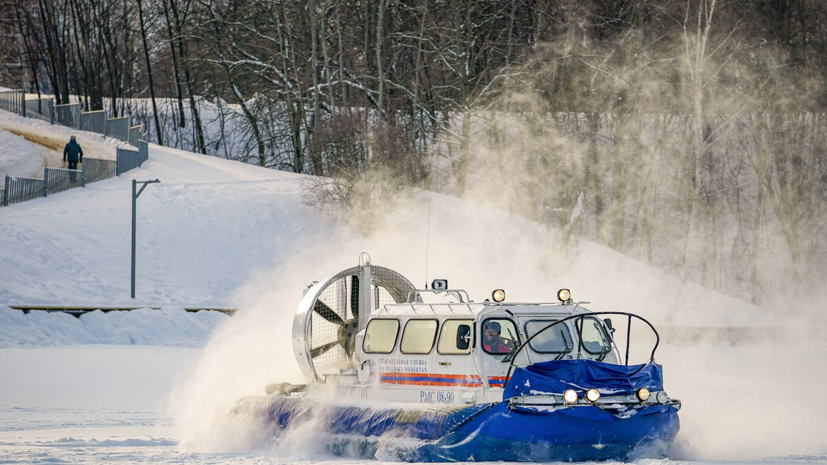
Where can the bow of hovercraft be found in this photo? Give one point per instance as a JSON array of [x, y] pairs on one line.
[[569, 410]]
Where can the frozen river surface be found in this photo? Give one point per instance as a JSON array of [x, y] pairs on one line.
[[108, 404]]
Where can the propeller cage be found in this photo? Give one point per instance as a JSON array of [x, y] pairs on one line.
[[333, 311]]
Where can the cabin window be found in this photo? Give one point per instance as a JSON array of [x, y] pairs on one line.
[[555, 340], [595, 340], [499, 336], [419, 336], [380, 336], [456, 337]]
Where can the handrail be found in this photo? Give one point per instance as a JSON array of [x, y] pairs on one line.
[[513, 355], [457, 293]]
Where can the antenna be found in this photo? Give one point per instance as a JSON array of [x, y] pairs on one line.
[[427, 247]]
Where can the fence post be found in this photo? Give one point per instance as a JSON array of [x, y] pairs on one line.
[[83, 174], [23, 110], [45, 181], [5, 198], [52, 112]]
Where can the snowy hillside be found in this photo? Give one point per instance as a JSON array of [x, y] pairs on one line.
[[22, 158], [220, 233], [54, 137]]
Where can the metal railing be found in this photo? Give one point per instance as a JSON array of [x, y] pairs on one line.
[[59, 179], [97, 169], [68, 114], [136, 133], [143, 152], [19, 190], [94, 121], [127, 159], [41, 108], [16, 190], [14, 101], [118, 128], [71, 115]]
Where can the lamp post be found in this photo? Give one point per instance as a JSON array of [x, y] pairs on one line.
[[135, 194]]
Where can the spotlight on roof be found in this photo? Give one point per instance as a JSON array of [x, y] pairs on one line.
[[564, 296]]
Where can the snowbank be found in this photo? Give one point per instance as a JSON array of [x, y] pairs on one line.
[[21, 158], [56, 136], [165, 327]]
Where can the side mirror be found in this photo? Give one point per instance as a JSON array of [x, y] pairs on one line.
[[463, 337], [608, 322]]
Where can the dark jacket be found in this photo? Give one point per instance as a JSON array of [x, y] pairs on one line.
[[73, 151]]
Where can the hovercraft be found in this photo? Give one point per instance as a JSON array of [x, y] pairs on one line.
[[400, 373]]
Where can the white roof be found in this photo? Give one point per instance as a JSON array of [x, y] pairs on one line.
[[473, 309]]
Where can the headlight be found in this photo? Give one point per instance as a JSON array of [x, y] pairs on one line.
[[498, 295], [662, 397], [570, 396], [592, 395], [643, 394], [564, 295]]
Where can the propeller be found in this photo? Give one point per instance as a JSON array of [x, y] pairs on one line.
[[347, 329], [327, 313], [354, 297], [339, 303], [323, 348]]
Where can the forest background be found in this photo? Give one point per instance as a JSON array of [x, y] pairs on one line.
[[687, 134]]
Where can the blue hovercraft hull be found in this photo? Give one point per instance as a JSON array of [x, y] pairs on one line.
[[479, 432], [498, 431]]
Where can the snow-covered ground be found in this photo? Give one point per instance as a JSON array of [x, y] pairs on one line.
[[55, 137], [164, 327], [21, 158], [225, 234], [93, 404]]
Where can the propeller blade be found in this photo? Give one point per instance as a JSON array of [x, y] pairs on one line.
[[354, 296], [323, 348], [327, 313]]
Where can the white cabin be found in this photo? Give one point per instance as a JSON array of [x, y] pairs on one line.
[[407, 349]]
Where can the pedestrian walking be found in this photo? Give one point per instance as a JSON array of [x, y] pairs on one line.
[[73, 154]]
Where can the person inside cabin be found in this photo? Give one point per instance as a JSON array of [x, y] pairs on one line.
[[492, 342]]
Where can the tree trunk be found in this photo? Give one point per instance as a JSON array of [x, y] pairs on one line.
[[293, 115], [617, 207], [182, 120], [184, 56], [696, 58], [159, 132], [594, 178], [380, 16], [464, 154]]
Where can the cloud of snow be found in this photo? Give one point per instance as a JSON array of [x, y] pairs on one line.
[[480, 249], [478, 246], [750, 401]]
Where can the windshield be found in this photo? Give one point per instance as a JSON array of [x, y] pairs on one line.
[[555, 340], [595, 340]]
